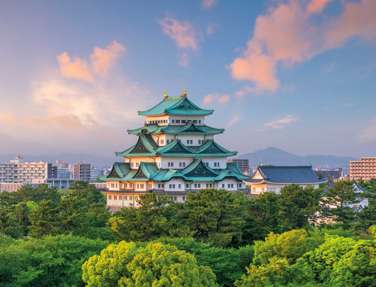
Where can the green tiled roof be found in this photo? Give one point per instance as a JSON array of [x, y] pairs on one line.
[[179, 105], [196, 171], [146, 146], [176, 130]]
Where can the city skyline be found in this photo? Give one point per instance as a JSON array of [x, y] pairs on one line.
[[297, 75]]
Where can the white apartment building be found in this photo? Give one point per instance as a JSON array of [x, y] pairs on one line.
[[16, 171]]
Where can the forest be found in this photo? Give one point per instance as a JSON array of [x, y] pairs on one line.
[[52, 237]]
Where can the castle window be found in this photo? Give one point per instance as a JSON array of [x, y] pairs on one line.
[[189, 141], [179, 185], [109, 197], [170, 164]]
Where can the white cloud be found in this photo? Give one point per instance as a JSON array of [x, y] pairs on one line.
[[282, 122]]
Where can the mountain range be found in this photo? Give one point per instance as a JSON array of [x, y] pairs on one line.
[[276, 156]]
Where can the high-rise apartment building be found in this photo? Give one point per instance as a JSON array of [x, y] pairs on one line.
[[81, 171], [17, 171], [363, 169]]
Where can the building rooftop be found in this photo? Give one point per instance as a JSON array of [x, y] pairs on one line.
[[287, 174], [197, 170], [146, 146], [179, 105], [175, 129]]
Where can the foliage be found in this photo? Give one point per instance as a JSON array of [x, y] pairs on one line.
[[270, 274], [289, 245], [155, 264], [215, 216], [299, 258], [228, 264], [80, 210], [49, 261]]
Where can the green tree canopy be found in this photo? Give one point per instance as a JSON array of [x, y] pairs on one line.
[[228, 264], [49, 261], [155, 264]]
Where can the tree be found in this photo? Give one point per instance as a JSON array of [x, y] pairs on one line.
[[289, 245], [336, 203], [50, 261], [44, 219], [317, 265], [217, 216], [297, 206], [155, 264], [228, 264], [274, 273], [357, 267], [155, 217], [82, 211]]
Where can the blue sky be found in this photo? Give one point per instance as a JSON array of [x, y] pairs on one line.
[[299, 75]]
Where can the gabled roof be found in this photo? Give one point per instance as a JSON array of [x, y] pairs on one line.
[[176, 130], [179, 105], [198, 168], [211, 147], [119, 170], [287, 174], [174, 147], [145, 146]]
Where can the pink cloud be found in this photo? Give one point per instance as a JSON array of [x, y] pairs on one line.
[[223, 99], [74, 69], [357, 20], [182, 32], [219, 98], [208, 4], [103, 59], [316, 6], [286, 34]]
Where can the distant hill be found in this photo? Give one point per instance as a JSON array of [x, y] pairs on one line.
[[276, 156]]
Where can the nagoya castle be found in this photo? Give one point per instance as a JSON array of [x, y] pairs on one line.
[[175, 153]]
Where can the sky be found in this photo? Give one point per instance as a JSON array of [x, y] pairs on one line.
[[298, 75]]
